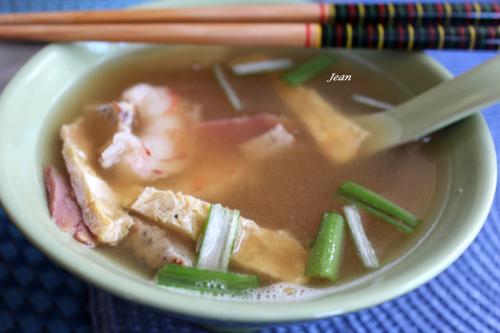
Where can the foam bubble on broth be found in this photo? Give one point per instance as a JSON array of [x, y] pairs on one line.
[[283, 292], [275, 293], [280, 292]]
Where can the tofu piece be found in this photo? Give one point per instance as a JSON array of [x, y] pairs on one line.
[[155, 246], [173, 210], [268, 144], [102, 213], [272, 255], [338, 137]]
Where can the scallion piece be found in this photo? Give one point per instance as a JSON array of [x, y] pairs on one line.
[[371, 102], [379, 206], [263, 66], [326, 252], [384, 217], [205, 280], [365, 248], [309, 69], [227, 88], [218, 237]]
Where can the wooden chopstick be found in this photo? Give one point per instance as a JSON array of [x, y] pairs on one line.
[[276, 34], [242, 13], [443, 13], [402, 37]]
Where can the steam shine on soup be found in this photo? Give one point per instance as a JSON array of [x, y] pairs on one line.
[[218, 182]]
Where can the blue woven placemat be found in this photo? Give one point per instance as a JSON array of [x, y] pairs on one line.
[[37, 296], [53, 5]]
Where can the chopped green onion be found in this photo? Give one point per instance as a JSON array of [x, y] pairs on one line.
[[263, 66], [218, 237], [227, 88], [205, 280], [379, 206], [365, 248], [371, 102], [326, 253], [309, 69], [384, 217]]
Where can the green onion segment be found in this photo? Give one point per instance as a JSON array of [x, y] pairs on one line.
[[309, 69], [216, 282], [218, 238], [378, 206], [326, 252]]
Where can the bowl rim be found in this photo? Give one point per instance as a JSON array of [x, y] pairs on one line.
[[185, 305]]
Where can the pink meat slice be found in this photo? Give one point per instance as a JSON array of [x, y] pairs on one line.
[[63, 207], [84, 236], [236, 130]]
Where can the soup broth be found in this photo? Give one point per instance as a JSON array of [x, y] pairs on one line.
[[287, 191]]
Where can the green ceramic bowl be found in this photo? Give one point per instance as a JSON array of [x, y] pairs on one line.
[[467, 162]]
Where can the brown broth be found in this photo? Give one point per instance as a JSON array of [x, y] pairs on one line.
[[290, 191]]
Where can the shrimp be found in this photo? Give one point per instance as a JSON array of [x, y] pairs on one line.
[[152, 138]]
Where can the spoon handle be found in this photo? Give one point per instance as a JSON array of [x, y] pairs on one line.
[[449, 101]]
